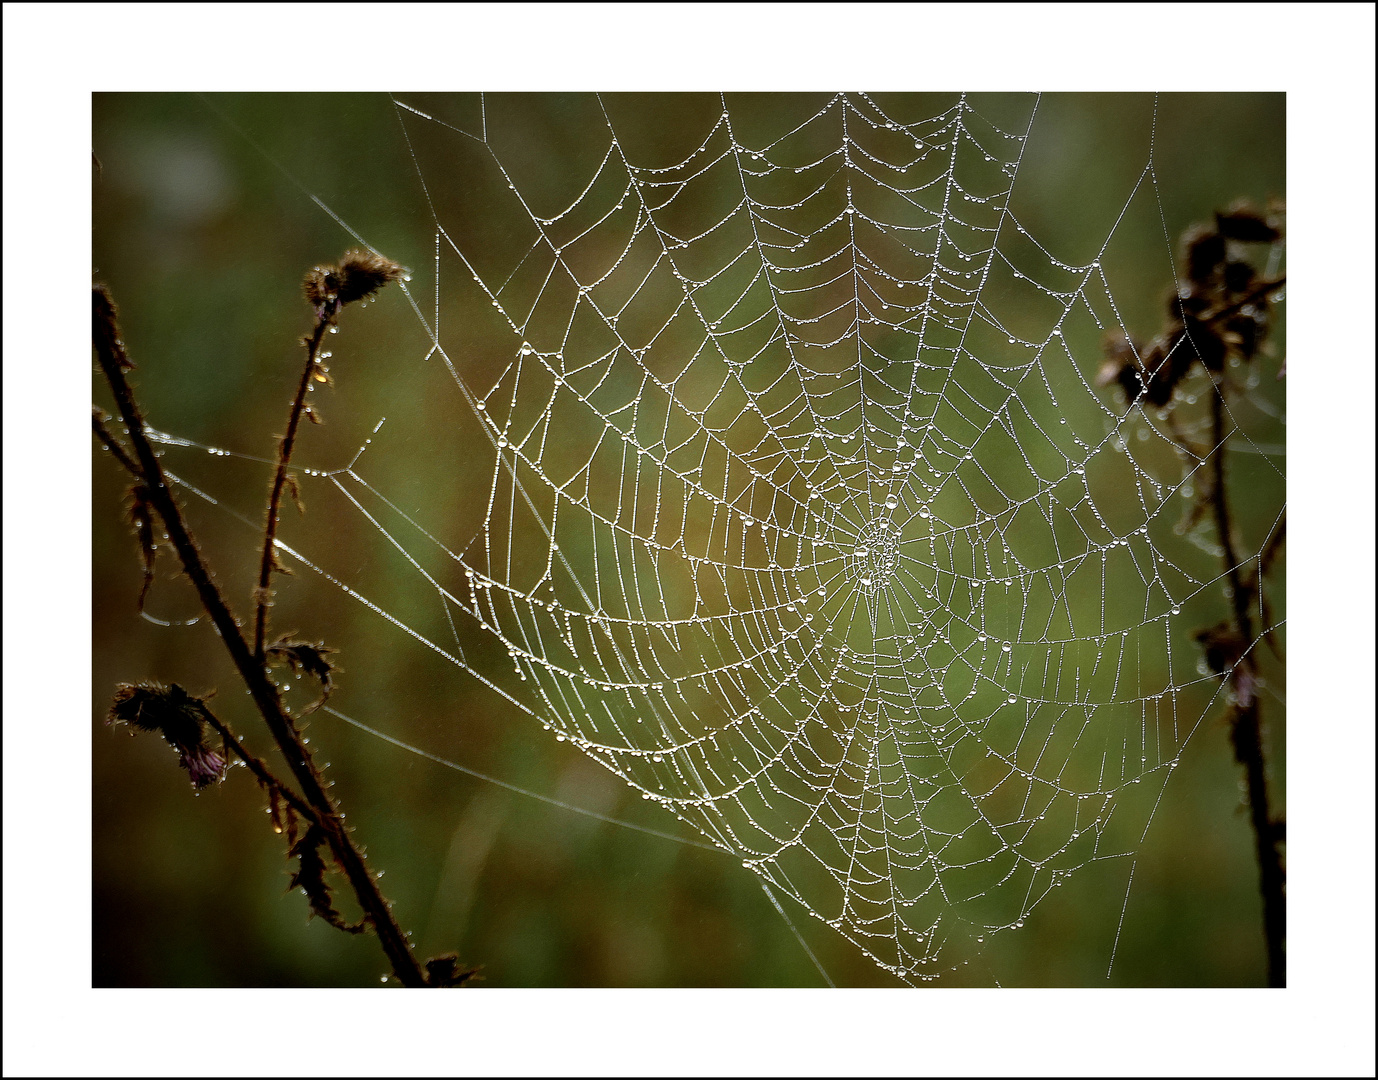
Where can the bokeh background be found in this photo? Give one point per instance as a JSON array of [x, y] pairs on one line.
[[206, 213]]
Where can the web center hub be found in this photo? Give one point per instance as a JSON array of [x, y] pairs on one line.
[[873, 560]]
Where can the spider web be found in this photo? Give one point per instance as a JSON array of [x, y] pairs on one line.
[[803, 515]]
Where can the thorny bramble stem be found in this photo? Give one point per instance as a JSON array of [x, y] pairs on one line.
[[1245, 731], [268, 562], [114, 363]]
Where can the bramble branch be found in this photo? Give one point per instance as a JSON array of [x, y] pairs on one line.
[[1222, 311], [148, 470], [328, 288], [1245, 732]]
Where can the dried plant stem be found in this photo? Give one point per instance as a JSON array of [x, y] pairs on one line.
[[261, 772], [112, 444], [268, 560], [1246, 733], [1263, 292], [111, 355]]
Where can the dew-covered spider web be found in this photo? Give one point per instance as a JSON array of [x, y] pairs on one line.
[[801, 510]]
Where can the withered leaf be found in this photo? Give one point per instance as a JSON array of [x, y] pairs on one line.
[[1205, 251], [1239, 276], [445, 971], [309, 658], [1206, 344], [294, 490], [1246, 225], [310, 878]]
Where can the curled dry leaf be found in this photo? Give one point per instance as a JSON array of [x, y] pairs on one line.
[[309, 658], [310, 878]]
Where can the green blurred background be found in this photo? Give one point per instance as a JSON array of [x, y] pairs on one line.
[[204, 220]]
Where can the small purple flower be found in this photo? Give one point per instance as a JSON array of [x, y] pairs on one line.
[[1244, 683], [203, 764]]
